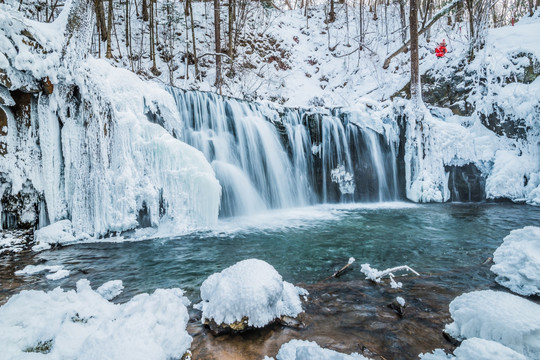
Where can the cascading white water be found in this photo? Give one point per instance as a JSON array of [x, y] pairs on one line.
[[267, 157]]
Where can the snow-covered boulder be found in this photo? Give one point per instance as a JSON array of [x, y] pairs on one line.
[[498, 316], [476, 349], [60, 232], [250, 293], [310, 350], [82, 324], [517, 261]]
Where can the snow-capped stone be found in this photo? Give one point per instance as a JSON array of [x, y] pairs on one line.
[[476, 349], [310, 350], [517, 261], [498, 316], [250, 292]]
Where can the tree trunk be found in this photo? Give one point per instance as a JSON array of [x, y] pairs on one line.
[[145, 10], [416, 91], [403, 21], [100, 18], [127, 23], [217, 37], [231, 23], [332, 13], [195, 59], [108, 54]]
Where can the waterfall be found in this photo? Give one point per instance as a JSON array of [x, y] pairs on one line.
[[268, 157]]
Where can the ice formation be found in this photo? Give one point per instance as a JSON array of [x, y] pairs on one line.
[[517, 261], [57, 272], [476, 349], [92, 150], [310, 350], [250, 289], [82, 324], [498, 316]]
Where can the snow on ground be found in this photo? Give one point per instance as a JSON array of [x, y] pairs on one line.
[[498, 316], [517, 261], [57, 272], [476, 349], [81, 324], [250, 288], [310, 350]]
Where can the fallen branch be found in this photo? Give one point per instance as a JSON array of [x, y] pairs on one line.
[[342, 270], [445, 10], [376, 275]]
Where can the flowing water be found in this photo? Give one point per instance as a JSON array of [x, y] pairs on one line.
[[445, 243]]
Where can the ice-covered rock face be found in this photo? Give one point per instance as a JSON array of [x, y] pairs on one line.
[[82, 324], [251, 290], [498, 316], [87, 152], [517, 261]]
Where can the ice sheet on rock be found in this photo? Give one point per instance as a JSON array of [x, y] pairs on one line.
[[310, 350], [250, 288], [81, 324], [517, 261], [34, 269], [498, 316], [476, 349]]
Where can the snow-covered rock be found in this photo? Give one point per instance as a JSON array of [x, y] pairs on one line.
[[61, 232], [498, 316], [82, 324], [517, 261], [250, 291], [310, 350], [476, 349]]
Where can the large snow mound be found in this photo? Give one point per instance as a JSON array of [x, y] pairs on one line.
[[517, 261], [498, 316], [250, 288], [82, 324], [476, 349], [310, 350]]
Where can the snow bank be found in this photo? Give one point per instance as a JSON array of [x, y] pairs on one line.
[[517, 261], [498, 316], [82, 324], [310, 350], [476, 349], [252, 289]]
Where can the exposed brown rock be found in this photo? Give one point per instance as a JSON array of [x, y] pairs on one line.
[[47, 86]]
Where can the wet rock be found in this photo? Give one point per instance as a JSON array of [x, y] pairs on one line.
[[466, 183], [47, 86], [398, 307]]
